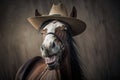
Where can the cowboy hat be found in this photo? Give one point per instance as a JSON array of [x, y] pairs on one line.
[[59, 12]]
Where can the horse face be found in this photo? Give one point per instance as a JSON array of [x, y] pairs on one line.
[[52, 46]]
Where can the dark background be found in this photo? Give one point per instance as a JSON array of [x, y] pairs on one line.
[[99, 44]]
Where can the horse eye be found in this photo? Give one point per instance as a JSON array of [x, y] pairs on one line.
[[41, 33], [65, 28]]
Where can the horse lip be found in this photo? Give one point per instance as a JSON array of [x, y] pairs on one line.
[[53, 65]]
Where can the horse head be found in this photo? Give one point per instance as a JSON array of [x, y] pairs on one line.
[[54, 41]]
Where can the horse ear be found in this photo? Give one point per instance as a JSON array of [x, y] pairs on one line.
[[37, 13], [74, 12]]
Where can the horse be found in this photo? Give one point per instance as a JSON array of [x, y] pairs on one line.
[[60, 58]]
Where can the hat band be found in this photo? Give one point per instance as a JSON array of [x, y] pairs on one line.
[[55, 15]]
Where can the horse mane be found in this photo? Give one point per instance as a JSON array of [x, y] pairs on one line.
[[75, 61], [73, 52]]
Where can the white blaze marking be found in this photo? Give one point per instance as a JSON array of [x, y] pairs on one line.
[[51, 28], [49, 39]]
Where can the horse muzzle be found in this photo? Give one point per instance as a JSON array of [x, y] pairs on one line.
[[52, 62]]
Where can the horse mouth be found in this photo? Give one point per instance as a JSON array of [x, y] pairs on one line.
[[52, 62]]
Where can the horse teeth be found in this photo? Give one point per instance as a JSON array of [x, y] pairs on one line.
[[54, 57], [49, 60]]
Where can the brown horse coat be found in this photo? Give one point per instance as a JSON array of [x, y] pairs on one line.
[[36, 69]]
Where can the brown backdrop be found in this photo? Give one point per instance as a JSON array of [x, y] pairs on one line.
[[99, 44]]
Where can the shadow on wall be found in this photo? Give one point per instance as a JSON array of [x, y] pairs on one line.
[[99, 44]]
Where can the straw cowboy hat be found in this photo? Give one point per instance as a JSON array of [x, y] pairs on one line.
[[59, 12]]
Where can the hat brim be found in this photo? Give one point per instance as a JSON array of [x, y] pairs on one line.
[[77, 25]]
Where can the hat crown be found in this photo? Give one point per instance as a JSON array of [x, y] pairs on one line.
[[58, 10]]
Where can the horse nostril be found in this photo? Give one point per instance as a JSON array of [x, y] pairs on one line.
[[42, 47], [53, 45]]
